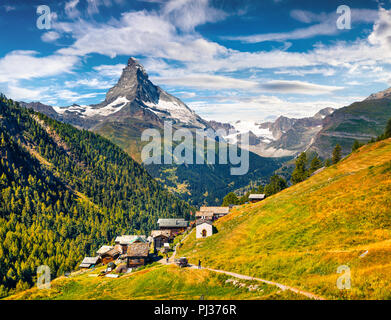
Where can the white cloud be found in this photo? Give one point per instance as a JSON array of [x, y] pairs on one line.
[[303, 72], [381, 34], [205, 81], [138, 33], [326, 26], [92, 83], [187, 14], [26, 65], [50, 36], [74, 96], [110, 70], [16, 92], [71, 9]]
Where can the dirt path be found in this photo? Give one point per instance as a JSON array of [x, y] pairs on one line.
[[281, 286], [244, 277]]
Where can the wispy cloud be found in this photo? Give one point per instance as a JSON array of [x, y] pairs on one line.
[[326, 26], [298, 87], [210, 82]]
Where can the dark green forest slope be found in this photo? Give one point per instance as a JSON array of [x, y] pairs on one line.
[[63, 193]]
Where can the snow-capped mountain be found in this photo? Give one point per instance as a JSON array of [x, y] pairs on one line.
[[283, 137]]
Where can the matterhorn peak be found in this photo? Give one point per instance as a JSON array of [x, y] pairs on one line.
[[133, 84], [134, 64]]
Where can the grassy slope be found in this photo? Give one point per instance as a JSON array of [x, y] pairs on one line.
[[301, 235], [156, 282]]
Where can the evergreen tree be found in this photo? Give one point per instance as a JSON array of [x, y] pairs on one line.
[[300, 173], [327, 163], [387, 132], [316, 164], [337, 154], [276, 184], [229, 199], [356, 145]]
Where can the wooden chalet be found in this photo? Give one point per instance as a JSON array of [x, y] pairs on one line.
[[122, 242], [174, 225], [89, 262], [211, 213], [256, 197], [160, 237], [108, 254], [137, 254]]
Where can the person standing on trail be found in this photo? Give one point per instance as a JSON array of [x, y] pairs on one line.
[[199, 264], [167, 258]]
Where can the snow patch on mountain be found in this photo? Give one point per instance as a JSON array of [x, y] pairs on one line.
[[90, 111], [173, 108], [243, 127]]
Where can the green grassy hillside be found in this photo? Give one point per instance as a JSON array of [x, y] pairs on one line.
[[303, 234], [154, 283]]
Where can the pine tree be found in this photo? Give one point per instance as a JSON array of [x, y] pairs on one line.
[[356, 145], [316, 164], [300, 173], [229, 199], [337, 154], [387, 132], [276, 184]]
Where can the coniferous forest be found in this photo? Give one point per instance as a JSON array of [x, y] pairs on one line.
[[63, 193]]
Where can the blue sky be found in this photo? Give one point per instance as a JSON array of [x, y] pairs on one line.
[[228, 60]]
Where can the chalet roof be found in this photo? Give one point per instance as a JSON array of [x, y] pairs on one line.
[[180, 223], [128, 239], [256, 196], [215, 210], [199, 222], [205, 214], [88, 261], [139, 249], [104, 249], [113, 252], [157, 233]]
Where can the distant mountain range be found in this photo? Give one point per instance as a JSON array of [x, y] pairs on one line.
[[283, 137], [359, 121]]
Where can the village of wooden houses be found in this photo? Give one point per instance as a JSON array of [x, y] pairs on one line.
[[130, 252]]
